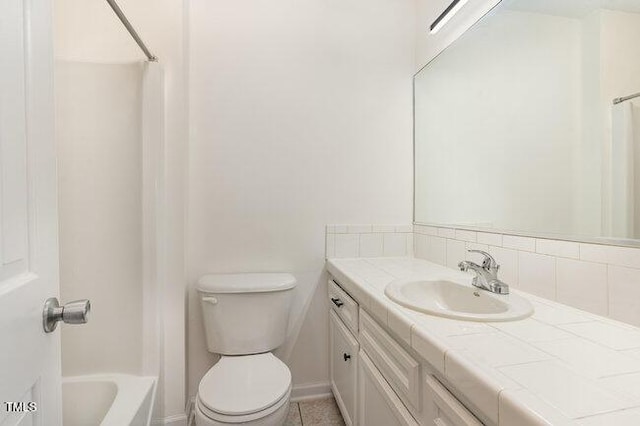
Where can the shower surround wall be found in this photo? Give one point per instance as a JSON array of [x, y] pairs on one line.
[[300, 115], [88, 31], [98, 131]]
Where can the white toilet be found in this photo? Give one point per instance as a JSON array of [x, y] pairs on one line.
[[245, 317]]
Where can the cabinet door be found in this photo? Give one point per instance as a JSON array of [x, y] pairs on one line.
[[446, 410], [343, 367], [378, 405]]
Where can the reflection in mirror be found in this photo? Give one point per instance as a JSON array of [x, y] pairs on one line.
[[516, 128]]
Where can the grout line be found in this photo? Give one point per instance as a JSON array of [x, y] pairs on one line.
[[300, 414]]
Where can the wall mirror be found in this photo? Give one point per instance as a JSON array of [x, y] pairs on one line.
[[519, 125]]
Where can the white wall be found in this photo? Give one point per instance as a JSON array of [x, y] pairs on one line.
[[88, 31], [98, 125], [300, 115]]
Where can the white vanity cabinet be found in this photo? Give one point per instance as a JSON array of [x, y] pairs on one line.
[[446, 410], [378, 404], [343, 367], [376, 381]]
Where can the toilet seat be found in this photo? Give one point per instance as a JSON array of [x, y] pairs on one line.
[[238, 389], [243, 419]]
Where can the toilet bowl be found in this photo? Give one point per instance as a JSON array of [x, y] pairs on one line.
[[245, 317], [250, 390]]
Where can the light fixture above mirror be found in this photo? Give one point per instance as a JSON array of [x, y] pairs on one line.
[[445, 16]]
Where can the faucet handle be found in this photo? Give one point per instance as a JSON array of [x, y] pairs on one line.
[[488, 263]]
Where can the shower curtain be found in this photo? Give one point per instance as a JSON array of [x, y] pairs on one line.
[[625, 171]]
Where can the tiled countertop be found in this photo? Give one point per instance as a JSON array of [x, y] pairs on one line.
[[559, 366]]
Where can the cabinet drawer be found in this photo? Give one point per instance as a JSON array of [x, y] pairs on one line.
[[447, 410], [344, 306], [378, 404], [400, 369], [343, 367]]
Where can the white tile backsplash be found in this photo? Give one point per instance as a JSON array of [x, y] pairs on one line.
[[368, 240], [447, 233], [359, 229], [330, 245], [537, 274], [420, 245], [489, 238], [463, 235], [404, 228], [384, 228], [426, 230], [340, 229], [612, 255], [437, 251], [558, 248], [395, 244], [456, 252], [582, 284], [475, 246], [603, 279], [624, 294], [347, 245], [371, 245], [508, 261], [519, 243]]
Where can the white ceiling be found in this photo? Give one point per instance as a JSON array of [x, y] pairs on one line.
[[571, 8]]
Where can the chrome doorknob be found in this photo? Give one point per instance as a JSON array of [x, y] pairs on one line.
[[76, 312]]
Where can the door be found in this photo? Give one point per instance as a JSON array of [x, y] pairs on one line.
[[30, 391], [378, 405], [343, 366]]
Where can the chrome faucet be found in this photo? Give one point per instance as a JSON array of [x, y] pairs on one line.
[[486, 274]]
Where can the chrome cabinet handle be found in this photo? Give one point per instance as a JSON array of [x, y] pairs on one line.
[[76, 312], [337, 301], [346, 356]]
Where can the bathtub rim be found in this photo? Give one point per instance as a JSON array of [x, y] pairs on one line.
[[130, 395]]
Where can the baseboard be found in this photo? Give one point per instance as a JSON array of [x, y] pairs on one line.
[[177, 420], [310, 391]]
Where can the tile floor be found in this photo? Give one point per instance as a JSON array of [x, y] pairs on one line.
[[319, 412]]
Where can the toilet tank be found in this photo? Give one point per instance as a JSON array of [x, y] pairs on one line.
[[245, 313]]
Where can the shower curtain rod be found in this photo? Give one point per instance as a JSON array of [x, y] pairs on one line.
[[625, 98], [132, 31]]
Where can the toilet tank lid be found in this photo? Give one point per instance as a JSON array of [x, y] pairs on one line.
[[246, 282]]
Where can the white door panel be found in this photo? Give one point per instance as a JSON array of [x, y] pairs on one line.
[[29, 358]]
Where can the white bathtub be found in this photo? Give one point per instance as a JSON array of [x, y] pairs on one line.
[[107, 400]]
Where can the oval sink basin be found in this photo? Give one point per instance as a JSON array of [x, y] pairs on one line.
[[458, 301]]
